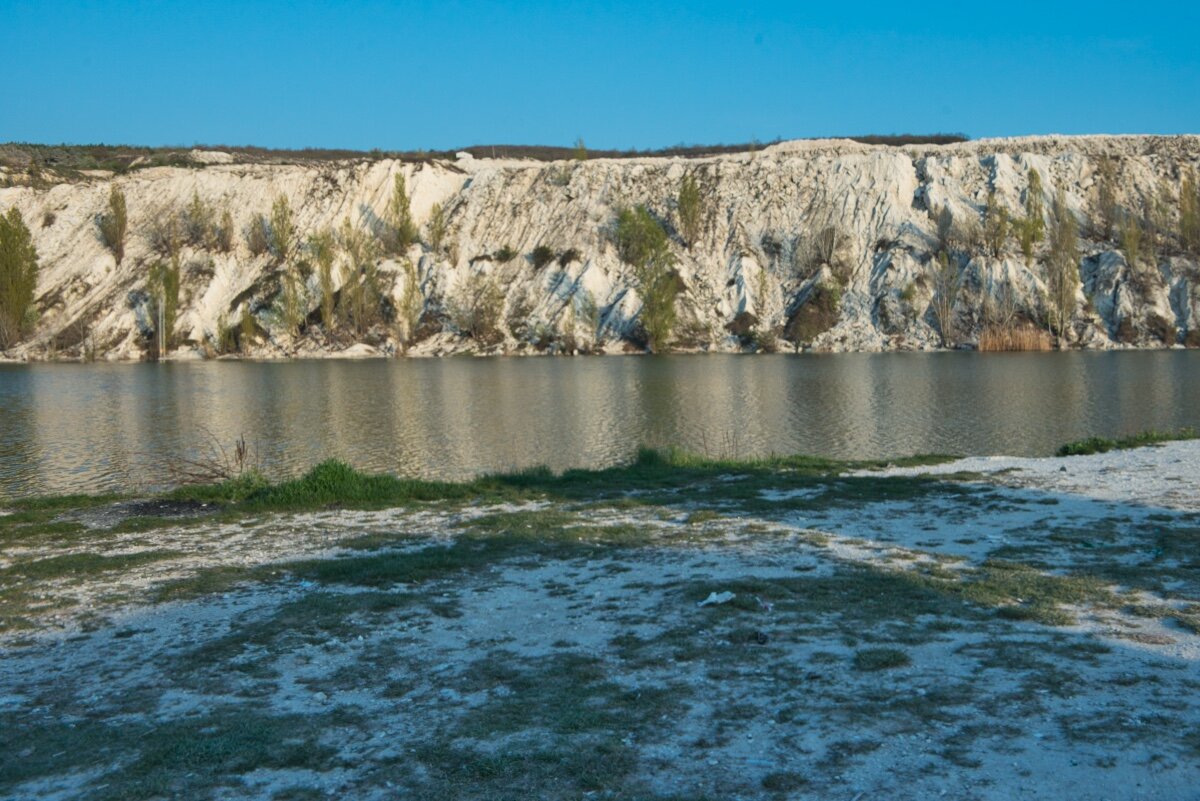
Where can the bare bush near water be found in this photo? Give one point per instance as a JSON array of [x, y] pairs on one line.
[[214, 463]]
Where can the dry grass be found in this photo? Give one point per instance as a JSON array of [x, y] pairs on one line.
[[1025, 338], [214, 463]]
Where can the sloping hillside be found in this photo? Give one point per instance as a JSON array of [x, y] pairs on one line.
[[832, 245]]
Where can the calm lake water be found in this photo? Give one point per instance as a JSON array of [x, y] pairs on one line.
[[85, 428]]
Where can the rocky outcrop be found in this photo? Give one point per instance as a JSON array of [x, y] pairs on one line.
[[819, 244]]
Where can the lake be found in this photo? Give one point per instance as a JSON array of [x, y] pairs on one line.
[[93, 427]]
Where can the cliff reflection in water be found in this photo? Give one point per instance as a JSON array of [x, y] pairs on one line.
[[71, 428]]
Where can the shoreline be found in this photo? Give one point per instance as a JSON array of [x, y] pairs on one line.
[[529, 353]]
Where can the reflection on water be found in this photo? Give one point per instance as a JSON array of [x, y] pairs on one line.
[[91, 427]]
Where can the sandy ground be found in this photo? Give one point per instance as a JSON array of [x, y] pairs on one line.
[[848, 664]]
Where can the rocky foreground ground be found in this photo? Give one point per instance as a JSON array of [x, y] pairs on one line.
[[980, 629]]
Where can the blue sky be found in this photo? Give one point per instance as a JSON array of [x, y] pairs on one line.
[[646, 74]]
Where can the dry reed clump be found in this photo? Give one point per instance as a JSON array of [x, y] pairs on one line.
[[1023, 338], [214, 463]]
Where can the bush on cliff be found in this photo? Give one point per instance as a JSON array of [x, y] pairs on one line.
[[114, 223], [816, 315], [643, 244], [18, 278]]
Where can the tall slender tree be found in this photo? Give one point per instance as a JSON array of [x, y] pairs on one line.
[[1031, 228], [18, 278], [1063, 267]]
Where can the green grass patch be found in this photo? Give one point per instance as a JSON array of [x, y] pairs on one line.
[[872, 659], [1091, 445], [179, 759], [81, 564], [336, 484]]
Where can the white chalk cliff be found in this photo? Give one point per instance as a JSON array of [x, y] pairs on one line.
[[743, 282]]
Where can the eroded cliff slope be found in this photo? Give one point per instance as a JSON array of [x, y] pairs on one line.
[[824, 244]]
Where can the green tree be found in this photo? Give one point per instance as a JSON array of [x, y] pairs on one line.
[[1189, 213], [412, 303], [283, 229], [1031, 229], [435, 228], [403, 231], [291, 306], [361, 298], [114, 223], [643, 244], [1131, 235], [18, 278], [247, 329], [1156, 216], [580, 150], [690, 210], [323, 248], [163, 286], [1063, 266], [1106, 197]]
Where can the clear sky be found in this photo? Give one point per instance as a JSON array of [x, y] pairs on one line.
[[621, 74]]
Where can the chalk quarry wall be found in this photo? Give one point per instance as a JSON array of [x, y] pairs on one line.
[[743, 280]]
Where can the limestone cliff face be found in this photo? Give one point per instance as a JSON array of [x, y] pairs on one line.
[[754, 278]]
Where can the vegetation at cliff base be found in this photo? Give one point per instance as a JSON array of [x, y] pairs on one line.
[[18, 278], [643, 244]]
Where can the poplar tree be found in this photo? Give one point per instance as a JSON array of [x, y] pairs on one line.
[[18, 278]]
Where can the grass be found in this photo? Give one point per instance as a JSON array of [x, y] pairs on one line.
[[1092, 445], [79, 565], [654, 476], [181, 758], [871, 659]]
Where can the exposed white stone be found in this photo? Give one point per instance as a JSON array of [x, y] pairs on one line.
[[759, 207]]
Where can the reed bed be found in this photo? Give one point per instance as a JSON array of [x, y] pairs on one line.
[[1024, 338]]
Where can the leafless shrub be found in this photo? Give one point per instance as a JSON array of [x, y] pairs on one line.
[[258, 235], [477, 309], [214, 463], [824, 243], [165, 232]]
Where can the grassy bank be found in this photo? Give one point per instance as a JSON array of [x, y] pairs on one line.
[[1143, 439]]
